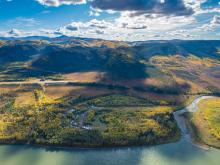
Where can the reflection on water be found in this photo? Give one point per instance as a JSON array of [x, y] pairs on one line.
[[180, 153]]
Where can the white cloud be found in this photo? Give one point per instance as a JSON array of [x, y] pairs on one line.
[[94, 12], [22, 22], [57, 3], [140, 27], [15, 32], [181, 34], [196, 6], [23, 33], [216, 20], [12, 33], [211, 26]]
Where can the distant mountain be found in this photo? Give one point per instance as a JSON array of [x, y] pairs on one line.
[[123, 59], [51, 39], [65, 40]]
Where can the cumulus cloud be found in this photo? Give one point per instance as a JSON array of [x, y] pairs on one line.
[[196, 5], [12, 33], [167, 7], [94, 12], [210, 26], [57, 3], [15, 32], [143, 20], [216, 20], [125, 27], [24, 33]]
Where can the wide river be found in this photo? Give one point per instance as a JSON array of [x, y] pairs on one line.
[[179, 153]]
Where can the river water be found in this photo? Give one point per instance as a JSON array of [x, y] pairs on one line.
[[179, 153]]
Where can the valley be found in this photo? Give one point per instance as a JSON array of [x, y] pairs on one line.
[[109, 82], [96, 93]]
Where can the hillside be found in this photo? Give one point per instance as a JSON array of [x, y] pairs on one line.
[[202, 49], [183, 65]]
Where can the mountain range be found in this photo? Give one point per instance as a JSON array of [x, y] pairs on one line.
[[122, 59]]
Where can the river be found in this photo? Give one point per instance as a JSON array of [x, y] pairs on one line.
[[179, 153]]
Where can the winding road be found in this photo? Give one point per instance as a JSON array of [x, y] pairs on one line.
[[61, 82], [181, 121]]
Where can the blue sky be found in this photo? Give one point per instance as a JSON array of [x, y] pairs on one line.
[[112, 19]]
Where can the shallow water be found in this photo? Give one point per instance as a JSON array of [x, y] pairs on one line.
[[180, 153]]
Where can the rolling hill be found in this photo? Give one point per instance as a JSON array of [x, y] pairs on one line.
[[120, 60]]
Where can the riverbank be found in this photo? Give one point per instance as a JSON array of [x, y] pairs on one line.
[[199, 125], [52, 147], [170, 140], [193, 132]]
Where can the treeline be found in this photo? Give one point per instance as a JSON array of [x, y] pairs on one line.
[[44, 123]]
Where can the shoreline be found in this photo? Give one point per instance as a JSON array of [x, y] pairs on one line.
[[69, 147], [186, 127], [195, 139], [66, 147]]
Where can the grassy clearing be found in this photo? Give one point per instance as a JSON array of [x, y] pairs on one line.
[[87, 77], [206, 122], [212, 115]]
